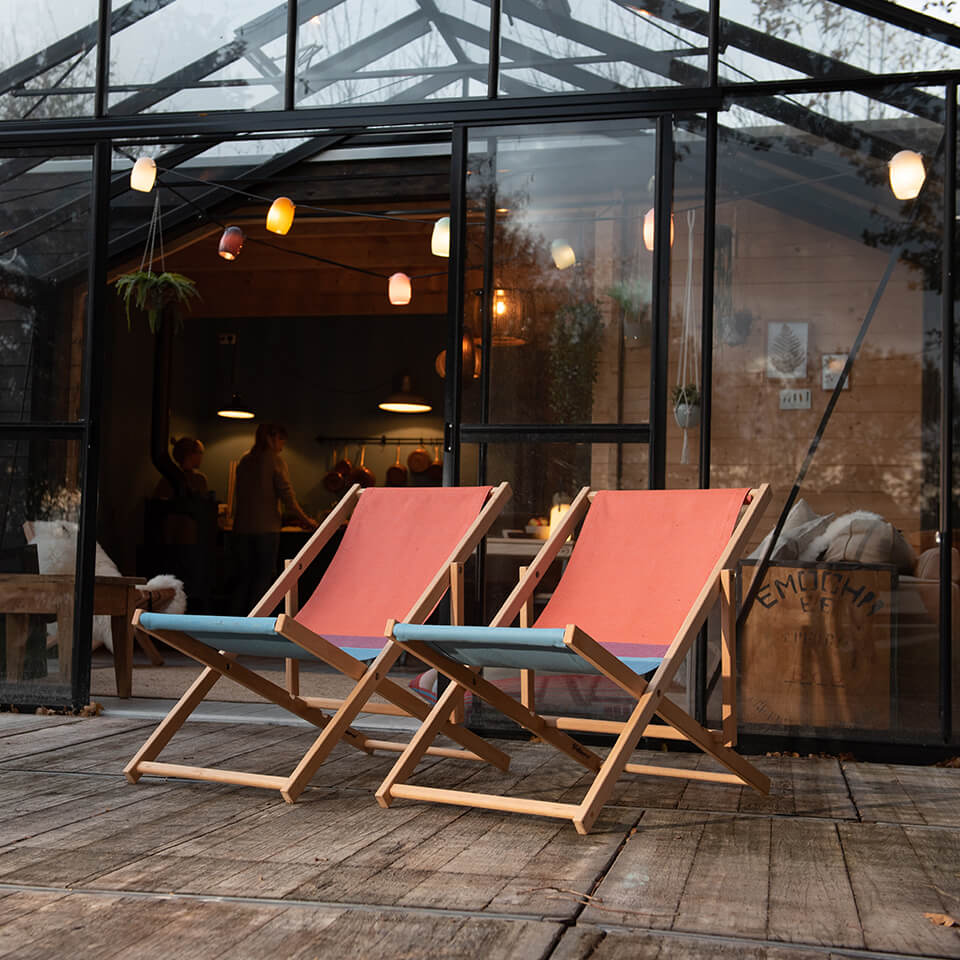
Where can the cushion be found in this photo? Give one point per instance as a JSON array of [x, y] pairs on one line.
[[800, 529], [928, 566], [869, 539]]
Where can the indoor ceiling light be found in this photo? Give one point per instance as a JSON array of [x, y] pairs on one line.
[[280, 215], [650, 229], [399, 290], [143, 175], [440, 239], [562, 253], [231, 243], [906, 174], [405, 400], [236, 409]]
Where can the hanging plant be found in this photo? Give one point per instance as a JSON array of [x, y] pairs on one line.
[[633, 297], [686, 406], [148, 291], [151, 292]]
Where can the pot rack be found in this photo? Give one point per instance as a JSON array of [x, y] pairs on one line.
[[382, 440]]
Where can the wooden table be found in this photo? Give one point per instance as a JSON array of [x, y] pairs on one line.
[[23, 594]]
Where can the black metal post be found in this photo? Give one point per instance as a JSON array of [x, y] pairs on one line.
[[663, 205], [290, 71], [493, 54], [455, 283], [97, 312], [706, 369], [713, 44], [947, 292], [100, 99]]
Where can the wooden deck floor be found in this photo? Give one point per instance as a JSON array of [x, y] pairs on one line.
[[842, 860]]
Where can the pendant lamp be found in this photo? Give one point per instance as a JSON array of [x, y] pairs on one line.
[[236, 409], [405, 400]]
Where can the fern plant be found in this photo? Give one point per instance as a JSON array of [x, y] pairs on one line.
[[151, 292]]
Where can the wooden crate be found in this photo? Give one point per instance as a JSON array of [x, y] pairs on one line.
[[816, 649]]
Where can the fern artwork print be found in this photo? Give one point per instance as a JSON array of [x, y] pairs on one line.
[[786, 351]]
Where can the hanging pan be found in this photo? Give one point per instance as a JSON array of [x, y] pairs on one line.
[[361, 474], [334, 481], [397, 474], [419, 460], [435, 470]]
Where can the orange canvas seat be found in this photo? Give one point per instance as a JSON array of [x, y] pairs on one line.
[[645, 571], [402, 550]]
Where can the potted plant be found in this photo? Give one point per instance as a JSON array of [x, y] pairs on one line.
[[151, 292], [633, 297], [686, 406]]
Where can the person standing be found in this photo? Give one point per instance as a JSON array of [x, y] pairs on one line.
[[262, 485]]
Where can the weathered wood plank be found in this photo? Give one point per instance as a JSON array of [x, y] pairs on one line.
[[726, 891], [893, 891], [811, 900], [12, 724], [644, 886], [56, 736], [878, 795]]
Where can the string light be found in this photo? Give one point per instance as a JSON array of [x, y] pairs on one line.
[[906, 174], [649, 229], [231, 243], [440, 238], [399, 290], [280, 215], [143, 175]]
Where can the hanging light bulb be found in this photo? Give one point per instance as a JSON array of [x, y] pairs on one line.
[[236, 409], [562, 253], [499, 302], [231, 243], [906, 174], [280, 215], [143, 175], [399, 290], [440, 238], [650, 229]]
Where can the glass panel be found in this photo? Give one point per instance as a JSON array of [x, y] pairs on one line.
[[39, 509], [599, 47], [955, 500], [775, 40], [556, 224], [355, 51], [210, 56], [49, 57], [43, 272], [544, 477], [843, 638]]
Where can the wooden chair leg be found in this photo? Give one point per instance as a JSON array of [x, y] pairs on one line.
[[418, 745]]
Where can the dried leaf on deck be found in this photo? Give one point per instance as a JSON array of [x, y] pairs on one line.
[[942, 919]]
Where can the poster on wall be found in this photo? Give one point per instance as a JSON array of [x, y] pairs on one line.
[[786, 351]]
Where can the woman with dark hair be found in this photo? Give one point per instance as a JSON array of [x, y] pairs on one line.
[[262, 485], [188, 453]]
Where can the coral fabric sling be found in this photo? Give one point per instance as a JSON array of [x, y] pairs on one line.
[[395, 542], [640, 560]]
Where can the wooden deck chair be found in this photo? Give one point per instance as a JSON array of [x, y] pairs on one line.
[[402, 550], [645, 571]]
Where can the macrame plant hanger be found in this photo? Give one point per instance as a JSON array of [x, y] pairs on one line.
[[154, 238], [689, 364]]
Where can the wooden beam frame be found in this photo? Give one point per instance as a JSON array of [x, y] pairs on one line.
[[650, 698]]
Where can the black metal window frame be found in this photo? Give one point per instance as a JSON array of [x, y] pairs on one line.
[[101, 131]]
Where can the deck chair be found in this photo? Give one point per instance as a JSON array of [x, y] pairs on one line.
[[402, 550], [645, 571]]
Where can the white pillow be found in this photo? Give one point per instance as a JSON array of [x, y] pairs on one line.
[[800, 529]]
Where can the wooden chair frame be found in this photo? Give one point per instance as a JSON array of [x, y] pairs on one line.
[[369, 678], [650, 696]]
